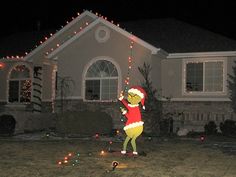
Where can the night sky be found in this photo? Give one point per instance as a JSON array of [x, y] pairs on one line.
[[22, 15]]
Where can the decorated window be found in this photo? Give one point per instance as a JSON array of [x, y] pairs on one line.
[[19, 85], [206, 76], [101, 81]]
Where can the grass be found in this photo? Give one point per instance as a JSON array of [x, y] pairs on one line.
[[165, 158]]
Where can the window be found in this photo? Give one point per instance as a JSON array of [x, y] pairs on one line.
[[194, 77], [102, 34], [206, 76], [19, 85], [101, 81]]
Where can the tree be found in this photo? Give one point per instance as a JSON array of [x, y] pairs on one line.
[[153, 112], [232, 88], [65, 89]]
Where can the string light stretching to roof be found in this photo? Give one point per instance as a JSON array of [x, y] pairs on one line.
[[127, 79]]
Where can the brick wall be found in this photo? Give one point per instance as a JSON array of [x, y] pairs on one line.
[[194, 115]]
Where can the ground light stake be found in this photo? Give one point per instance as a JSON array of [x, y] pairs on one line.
[[114, 165]]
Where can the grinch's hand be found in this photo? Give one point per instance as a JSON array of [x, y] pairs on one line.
[[121, 97], [123, 110]]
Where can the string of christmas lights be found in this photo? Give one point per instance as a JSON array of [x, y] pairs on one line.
[[72, 158], [130, 60], [14, 57], [68, 37], [51, 34]]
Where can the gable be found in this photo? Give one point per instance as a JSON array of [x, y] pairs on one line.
[[103, 22]]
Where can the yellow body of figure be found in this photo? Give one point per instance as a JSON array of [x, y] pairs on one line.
[[134, 132]]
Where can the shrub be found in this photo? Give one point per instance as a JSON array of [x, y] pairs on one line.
[[84, 123], [153, 112], [166, 126], [7, 125], [210, 128], [228, 127]]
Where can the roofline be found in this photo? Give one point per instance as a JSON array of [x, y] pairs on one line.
[[202, 54], [27, 57], [111, 25], [162, 53]]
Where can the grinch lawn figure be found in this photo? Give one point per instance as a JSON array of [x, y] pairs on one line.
[[134, 125]]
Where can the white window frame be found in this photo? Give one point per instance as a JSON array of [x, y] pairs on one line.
[[204, 60], [9, 79], [98, 78]]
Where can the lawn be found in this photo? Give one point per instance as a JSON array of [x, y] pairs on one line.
[[169, 157]]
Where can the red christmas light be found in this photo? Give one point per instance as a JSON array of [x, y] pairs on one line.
[[97, 135], [1, 65], [202, 138]]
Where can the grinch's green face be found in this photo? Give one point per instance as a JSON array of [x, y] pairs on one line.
[[133, 98]]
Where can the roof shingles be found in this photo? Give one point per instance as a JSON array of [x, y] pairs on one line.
[[178, 37]]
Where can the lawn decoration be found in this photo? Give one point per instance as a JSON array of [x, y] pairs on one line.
[[134, 124], [114, 165], [69, 159]]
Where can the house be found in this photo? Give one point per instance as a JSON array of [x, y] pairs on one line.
[[87, 63]]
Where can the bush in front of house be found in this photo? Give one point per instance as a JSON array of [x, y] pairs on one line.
[[84, 123], [7, 125], [210, 128], [228, 127], [166, 126]]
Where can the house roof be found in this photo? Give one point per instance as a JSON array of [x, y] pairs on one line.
[[169, 34], [175, 36]]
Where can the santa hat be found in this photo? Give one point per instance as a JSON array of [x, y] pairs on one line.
[[140, 92]]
